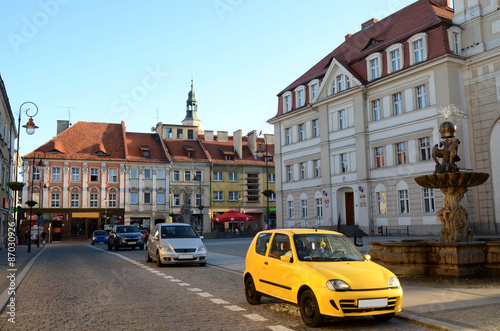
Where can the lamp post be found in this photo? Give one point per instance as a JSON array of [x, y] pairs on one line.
[[31, 203], [39, 219], [200, 205], [31, 110], [260, 154]]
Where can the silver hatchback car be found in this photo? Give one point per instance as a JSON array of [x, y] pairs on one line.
[[175, 243]]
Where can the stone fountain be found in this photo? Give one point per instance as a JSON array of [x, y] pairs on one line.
[[456, 254]]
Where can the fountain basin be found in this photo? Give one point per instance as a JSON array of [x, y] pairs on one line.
[[452, 179]]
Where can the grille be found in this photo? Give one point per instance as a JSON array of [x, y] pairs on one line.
[[351, 306], [185, 250]]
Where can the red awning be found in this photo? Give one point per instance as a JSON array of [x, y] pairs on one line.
[[232, 216]]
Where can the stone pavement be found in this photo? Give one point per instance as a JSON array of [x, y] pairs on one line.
[[445, 304]]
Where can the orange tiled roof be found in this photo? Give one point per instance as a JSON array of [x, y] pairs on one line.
[[137, 143]]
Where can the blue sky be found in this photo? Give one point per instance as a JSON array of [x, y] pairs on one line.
[[132, 61]]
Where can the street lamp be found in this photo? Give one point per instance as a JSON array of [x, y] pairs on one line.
[[31, 203], [200, 205], [260, 153], [29, 109]]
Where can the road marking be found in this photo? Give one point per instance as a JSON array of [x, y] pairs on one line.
[[175, 280], [205, 294], [255, 317], [184, 284], [234, 308], [195, 289], [279, 328], [167, 277], [220, 301]]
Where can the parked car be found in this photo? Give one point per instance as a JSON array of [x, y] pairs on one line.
[[99, 236], [322, 272], [122, 236], [175, 243]]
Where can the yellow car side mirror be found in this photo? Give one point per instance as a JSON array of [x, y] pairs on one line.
[[285, 258], [368, 257]]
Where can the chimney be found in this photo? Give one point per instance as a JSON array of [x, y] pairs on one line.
[[62, 125], [368, 24], [347, 36], [252, 142], [209, 135], [237, 143], [222, 135]]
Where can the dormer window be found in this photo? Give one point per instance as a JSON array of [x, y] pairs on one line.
[[313, 89], [418, 48], [394, 58], [341, 83], [287, 102], [190, 151], [454, 37], [374, 63], [144, 150], [301, 96]]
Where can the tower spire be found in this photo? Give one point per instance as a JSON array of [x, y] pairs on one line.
[[191, 108]]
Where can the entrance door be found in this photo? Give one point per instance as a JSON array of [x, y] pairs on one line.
[[56, 230], [349, 208]]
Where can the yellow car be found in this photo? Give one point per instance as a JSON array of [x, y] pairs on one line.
[[321, 271]]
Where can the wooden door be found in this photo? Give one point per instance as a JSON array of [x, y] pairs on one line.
[[349, 208]]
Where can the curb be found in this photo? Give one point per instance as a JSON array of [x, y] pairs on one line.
[[429, 322]]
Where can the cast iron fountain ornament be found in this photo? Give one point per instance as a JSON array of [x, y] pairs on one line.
[[453, 183]]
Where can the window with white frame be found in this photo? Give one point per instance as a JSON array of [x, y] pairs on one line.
[[425, 149], [288, 136], [198, 200], [403, 202], [421, 96], [55, 200], [112, 200], [75, 200], [133, 198], [395, 60], [401, 153], [302, 132], [36, 174], [187, 175], [94, 200], [160, 174], [317, 168], [394, 57], [147, 173], [301, 99], [341, 83], [218, 176], [342, 119], [75, 174], [428, 200], [218, 196], [315, 124], [287, 102], [290, 209], [176, 175], [374, 65], [397, 103], [379, 157], [303, 170], [344, 162], [160, 198], [113, 175], [56, 174], [233, 176], [376, 110], [319, 207], [381, 203], [314, 90], [418, 48], [456, 43], [147, 198], [374, 69], [271, 178], [234, 196], [289, 173], [176, 200], [94, 174], [303, 208]]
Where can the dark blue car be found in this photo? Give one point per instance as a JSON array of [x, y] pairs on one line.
[[99, 236]]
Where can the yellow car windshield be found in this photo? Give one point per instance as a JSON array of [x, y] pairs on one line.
[[325, 247]]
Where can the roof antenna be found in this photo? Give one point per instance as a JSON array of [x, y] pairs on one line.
[[69, 114]]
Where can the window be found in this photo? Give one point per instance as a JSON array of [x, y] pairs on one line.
[[418, 51], [374, 68], [218, 196], [319, 207], [133, 198], [271, 178], [401, 153], [421, 97], [190, 134], [287, 103], [176, 176], [113, 175], [187, 175], [54, 200], [342, 119], [397, 101], [177, 200], [112, 200], [147, 173], [456, 43], [314, 90], [75, 200], [317, 168], [344, 162], [198, 200], [404, 202], [300, 98], [75, 174], [302, 132], [272, 197], [93, 200], [303, 208], [36, 174], [315, 128], [179, 133], [289, 173], [381, 204], [342, 83], [56, 174], [198, 176], [379, 157], [218, 176], [428, 200], [168, 133], [234, 196], [290, 209], [94, 174], [425, 149], [395, 60], [233, 176], [160, 174], [377, 112], [288, 136], [160, 198], [147, 198], [303, 171]]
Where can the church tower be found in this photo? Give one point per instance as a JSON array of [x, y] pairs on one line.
[[192, 110]]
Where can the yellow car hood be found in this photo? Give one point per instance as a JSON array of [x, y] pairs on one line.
[[358, 274]]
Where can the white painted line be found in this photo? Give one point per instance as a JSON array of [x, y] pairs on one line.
[[184, 284], [205, 294], [168, 277], [175, 280], [220, 301], [195, 289], [279, 328], [234, 308], [255, 317]]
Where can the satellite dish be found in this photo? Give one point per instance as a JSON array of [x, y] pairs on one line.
[[153, 129]]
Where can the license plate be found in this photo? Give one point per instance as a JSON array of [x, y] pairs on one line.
[[132, 242], [373, 303], [186, 257]]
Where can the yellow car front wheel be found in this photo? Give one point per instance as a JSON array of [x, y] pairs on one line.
[[309, 309]]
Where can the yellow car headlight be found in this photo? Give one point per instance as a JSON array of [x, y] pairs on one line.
[[337, 285], [393, 282]]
